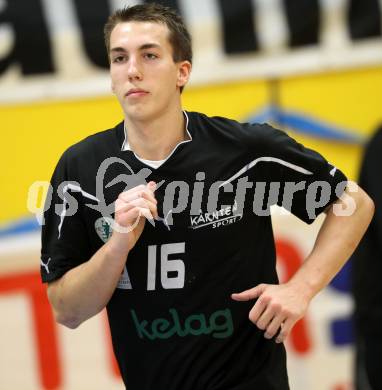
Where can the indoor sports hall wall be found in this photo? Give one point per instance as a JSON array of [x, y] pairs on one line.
[[325, 89]]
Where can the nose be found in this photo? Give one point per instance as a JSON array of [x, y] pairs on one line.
[[134, 71]]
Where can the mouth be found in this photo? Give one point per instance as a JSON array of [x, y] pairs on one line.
[[136, 92]]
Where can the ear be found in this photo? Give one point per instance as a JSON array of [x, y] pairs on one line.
[[184, 72]]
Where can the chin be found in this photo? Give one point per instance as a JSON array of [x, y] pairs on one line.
[[138, 113]]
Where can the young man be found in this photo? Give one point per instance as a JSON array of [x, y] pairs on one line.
[[188, 274]]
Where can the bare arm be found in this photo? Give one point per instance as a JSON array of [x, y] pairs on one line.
[[85, 290], [336, 241], [282, 305]]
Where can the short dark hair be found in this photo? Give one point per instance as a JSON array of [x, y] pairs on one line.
[[179, 37]]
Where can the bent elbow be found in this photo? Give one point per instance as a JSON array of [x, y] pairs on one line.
[[63, 315], [67, 321]]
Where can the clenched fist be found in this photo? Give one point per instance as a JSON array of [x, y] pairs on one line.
[[132, 208]]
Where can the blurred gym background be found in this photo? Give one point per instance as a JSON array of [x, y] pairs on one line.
[[312, 68]]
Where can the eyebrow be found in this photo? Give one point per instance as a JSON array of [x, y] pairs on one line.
[[142, 47]]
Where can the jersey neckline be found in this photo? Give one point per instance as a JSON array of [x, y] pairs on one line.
[[122, 142]]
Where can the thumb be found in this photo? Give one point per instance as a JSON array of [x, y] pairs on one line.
[[247, 295]]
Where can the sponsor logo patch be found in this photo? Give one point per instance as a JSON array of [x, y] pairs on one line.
[[103, 228], [223, 217]]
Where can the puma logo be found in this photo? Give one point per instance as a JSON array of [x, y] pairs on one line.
[[46, 266], [165, 220]]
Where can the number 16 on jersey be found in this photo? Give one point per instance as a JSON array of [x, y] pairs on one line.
[[172, 271], [167, 266]]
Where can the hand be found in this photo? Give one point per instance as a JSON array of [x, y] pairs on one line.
[[132, 208], [277, 309]]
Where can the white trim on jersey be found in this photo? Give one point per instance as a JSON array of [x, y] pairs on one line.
[[74, 188], [152, 163], [333, 171], [266, 159]]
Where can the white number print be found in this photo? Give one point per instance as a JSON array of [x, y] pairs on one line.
[[167, 265]]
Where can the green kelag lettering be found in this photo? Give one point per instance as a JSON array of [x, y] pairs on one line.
[[226, 328], [202, 325], [141, 327], [159, 326], [177, 326], [195, 324]]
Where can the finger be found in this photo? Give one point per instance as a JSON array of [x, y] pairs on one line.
[[257, 310], [149, 195], [274, 326], [148, 209], [122, 207], [127, 197], [285, 329], [139, 202], [152, 186], [133, 190], [142, 193], [265, 317], [134, 216], [152, 207], [247, 295], [150, 189], [146, 213]]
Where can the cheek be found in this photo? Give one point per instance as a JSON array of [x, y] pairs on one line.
[[172, 81], [116, 77], [167, 73]]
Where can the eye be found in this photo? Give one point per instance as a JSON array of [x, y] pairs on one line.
[[150, 56], [118, 59]]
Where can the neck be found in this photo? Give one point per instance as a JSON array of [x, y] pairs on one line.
[[155, 139]]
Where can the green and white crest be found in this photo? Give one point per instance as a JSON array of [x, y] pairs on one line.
[[103, 228]]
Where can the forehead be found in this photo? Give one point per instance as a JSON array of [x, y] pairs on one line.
[[130, 35]]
